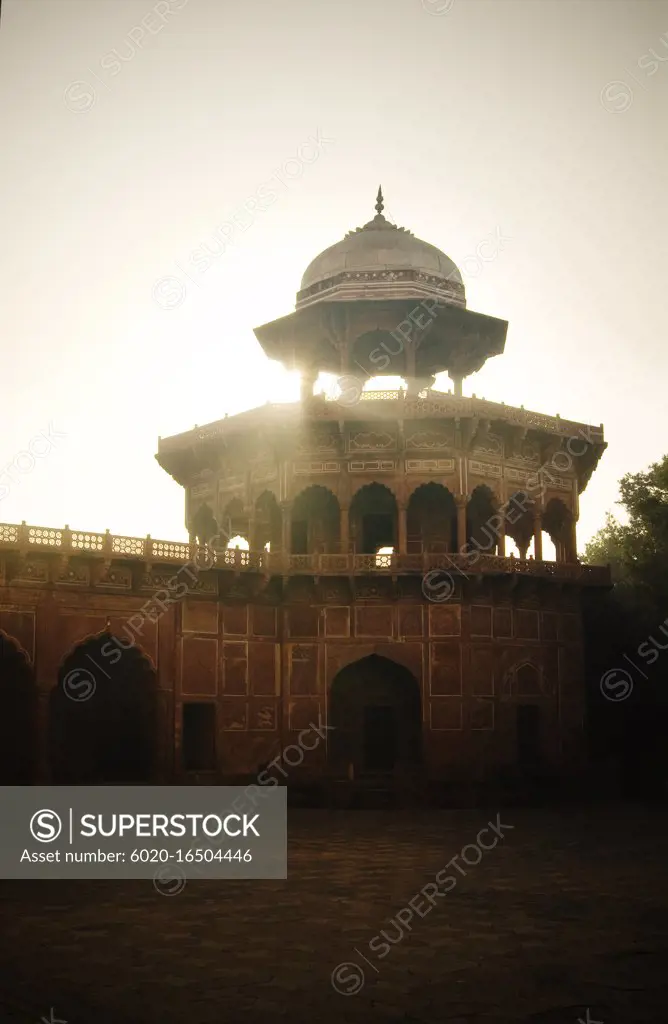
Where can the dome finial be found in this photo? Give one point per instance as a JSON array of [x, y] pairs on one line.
[[379, 201]]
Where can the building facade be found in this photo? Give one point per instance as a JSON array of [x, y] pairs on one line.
[[374, 633]]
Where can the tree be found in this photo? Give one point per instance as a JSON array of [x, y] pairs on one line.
[[637, 550], [627, 631]]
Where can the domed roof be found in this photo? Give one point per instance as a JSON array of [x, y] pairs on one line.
[[381, 261]]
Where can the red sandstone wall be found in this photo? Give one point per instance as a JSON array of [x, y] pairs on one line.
[[269, 669]]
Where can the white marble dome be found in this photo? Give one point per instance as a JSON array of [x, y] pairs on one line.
[[380, 261]]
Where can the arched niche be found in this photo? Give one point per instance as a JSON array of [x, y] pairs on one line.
[[315, 522], [18, 715], [375, 711], [431, 519], [102, 714], [373, 519]]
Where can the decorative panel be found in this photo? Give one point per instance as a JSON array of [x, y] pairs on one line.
[[263, 669], [378, 466], [314, 468], [337, 622], [503, 622], [264, 620], [234, 715], [446, 670], [235, 668], [484, 469], [304, 714], [376, 621], [303, 677], [482, 671], [445, 619], [411, 621], [200, 617], [199, 666], [263, 716], [445, 714], [235, 620], [526, 624], [481, 620], [303, 621], [441, 466]]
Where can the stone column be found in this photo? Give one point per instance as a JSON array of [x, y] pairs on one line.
[[286, 522], [501, 536], [573, 542], [461, 501], [345, 530], [403, 535], [456, 383], [523, 547], [538, 536]]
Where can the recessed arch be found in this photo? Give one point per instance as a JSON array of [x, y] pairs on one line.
[[431, 519], [558, 524], [18, 714], [316, 521], [102, 714], [518, 514], [268, 522], [373, 518], [376, 714], [481, 518]]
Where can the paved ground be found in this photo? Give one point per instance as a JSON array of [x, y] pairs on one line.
[[568, 913]]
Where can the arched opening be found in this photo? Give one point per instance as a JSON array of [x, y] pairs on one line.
[[203, 525], [373, 519], [481, 533], [234, 521], [377, 353], [431, 520], [558, 524], [518, 514], [375, 711], [18, 716], [267, 523], [102, 715], [316, 522]]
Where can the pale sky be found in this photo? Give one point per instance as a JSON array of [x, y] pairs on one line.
[[127, 148]]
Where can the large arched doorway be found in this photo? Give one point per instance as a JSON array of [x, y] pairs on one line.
[[18, 715], [375, 711], [102, 715]]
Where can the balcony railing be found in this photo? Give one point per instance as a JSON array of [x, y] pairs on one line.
[[68, 543]]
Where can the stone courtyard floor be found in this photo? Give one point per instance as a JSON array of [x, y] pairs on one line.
[[566, 916]]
